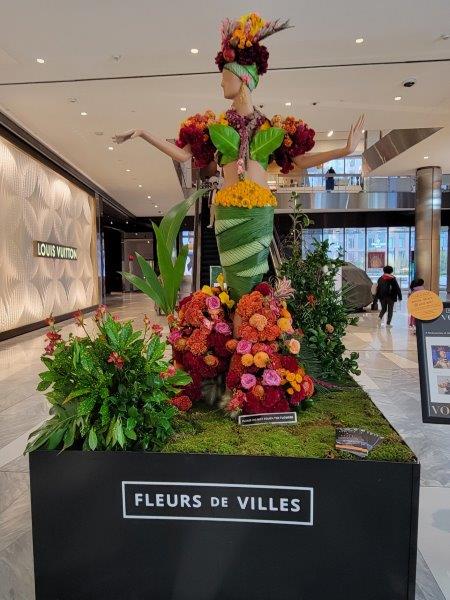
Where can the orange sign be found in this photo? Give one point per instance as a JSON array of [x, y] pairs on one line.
[[425, 305]]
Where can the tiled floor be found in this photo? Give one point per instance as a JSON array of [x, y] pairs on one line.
[[389, 373]]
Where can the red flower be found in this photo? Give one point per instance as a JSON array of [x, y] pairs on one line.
[[157, 329], [79, 318], [101, 310], [50, 321], [311, 299], [53, 336], [289, 363], [49, 348], [169, 372], [297, 397], [183, 403], [116, 360], [253, 405], [264, 288]]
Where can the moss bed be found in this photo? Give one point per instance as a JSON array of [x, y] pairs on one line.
[[206, 430]]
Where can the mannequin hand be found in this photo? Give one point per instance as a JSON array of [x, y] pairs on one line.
[[355, 135], [120, 138]]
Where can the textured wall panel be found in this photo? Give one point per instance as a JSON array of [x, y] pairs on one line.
[[38, 204]]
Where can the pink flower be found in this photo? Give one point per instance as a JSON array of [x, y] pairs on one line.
[[174, 336], [271, 377], [157, 329], [248, 381], [223, 328], [213, 303], [207, 324], [244, 347], [236, 402], [240, 166], [79, 318], [275, 307], [116, 360], [101, 310], [169, 372]]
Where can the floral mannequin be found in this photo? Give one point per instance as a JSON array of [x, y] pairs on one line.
[[244, 142]]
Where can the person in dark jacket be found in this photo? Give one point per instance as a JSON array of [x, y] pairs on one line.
[[388, 292], [329, 179]]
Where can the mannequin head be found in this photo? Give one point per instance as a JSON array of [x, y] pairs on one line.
[[231, 85]]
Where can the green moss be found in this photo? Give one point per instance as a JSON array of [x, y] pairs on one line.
[[209, 431]]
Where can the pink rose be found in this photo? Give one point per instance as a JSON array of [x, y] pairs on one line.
[[213, 303], [207, 324], [174, 336], [244, 347], [275, 308], [223, 328], [248, 381], [271, 377]]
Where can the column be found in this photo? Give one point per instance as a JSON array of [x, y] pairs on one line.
[[428, 225]]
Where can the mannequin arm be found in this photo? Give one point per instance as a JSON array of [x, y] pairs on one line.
[[313, 160], [177, 154]]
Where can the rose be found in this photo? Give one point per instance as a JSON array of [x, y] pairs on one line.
[[329, 328], [244, 347], [207, 324], [223, 328], [248, 381], [293, 346], [231, 345], [271, 377], [213, 303], [174, 336]]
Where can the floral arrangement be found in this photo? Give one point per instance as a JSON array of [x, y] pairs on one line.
[[240, 41], [111, 390], [201, 336], [265, 374], [298, 139], [194, 132], [245, 194]]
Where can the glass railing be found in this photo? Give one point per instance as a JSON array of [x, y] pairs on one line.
[[347, 182]]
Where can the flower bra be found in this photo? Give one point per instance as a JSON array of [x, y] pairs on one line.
[[238, 138]]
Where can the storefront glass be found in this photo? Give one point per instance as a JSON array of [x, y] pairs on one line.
[[443, 258], [376, 251], [309, 235], [355, 246], [335, 238], [398, 256]]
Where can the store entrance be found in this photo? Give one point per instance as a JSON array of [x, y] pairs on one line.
[[112, 240]]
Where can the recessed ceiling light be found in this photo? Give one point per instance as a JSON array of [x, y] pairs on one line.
[[330, 133], [288, 103], [359, 40], [126, 222], [140, 185], [183, 108], [41, 61], [128, 170], [363, 131], [148, 241], [397, 98], [426, 157], [83, 113], [110, 147], [194, 50], [156, 206], [111, 222], [149, 197]]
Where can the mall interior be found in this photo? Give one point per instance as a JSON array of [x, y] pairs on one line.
[[79, 200]]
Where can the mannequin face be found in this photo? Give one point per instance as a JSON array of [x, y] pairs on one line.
[[231, 84]]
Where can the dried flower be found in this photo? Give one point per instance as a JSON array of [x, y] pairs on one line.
[[157, 329]]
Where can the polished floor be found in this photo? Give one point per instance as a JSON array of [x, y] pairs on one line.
[[389, 373]]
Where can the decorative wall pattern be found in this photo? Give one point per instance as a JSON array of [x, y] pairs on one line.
[[38, 204]]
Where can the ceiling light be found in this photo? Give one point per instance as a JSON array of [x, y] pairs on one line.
[[41, 61], [128, 170], [426, 157], [140, 185], [363, 131], [288, 103], [397, 98], [194, 50], [111, 222], [126, 222], [359, 40], [330, 133], [183, 108], [83, 114], [156, 206], [148, 242], [149, 197], [110, 147]]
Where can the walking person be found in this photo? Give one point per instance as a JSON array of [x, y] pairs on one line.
[[416, 285], [388, 292]]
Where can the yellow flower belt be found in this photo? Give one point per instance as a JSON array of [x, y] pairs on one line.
[[245, 194]]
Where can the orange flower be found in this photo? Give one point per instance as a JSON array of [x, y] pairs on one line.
[[329, 328], [180, 344], [261, 359], [247, 360], [293, 346], [250, 304], [258, 321], [285, 313], [258, 390], [231, 345], [198, 341], [211, 360], [248, 333], [285, 325], [272, 332]]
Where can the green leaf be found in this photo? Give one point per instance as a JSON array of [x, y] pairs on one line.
[[92, 440], [110, 328], [165, 268], [225, 160], [119, 433], [85, 407], [43, 385], [265, 142], [130, 434], [76, 394], [56, 438], [153, 290], [225, 139], [178, 272], [69, 436], [171, 222]]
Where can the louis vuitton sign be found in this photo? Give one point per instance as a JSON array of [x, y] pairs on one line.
[[49, 250]]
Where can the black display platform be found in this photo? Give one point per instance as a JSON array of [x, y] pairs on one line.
[[267, 529]]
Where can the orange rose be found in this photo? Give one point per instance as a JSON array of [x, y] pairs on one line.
[[261, 359], [247, 360], [285, 325], [211, 360], [329, 328], [258, 321], [293, 346], [258, 390], [231, 345]]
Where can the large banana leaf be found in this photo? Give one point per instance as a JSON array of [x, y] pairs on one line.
[[171, 223], [265, 142], [226, 140], [166, 267]]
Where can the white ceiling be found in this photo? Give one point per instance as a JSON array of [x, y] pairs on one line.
[[78, 40]]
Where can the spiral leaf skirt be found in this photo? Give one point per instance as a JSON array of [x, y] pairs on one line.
[[243, 238]]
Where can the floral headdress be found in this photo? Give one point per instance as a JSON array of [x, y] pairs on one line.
[[241, 51]]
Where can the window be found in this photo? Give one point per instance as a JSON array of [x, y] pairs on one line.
[[399, 255], [335, 238], [443, 258], [309, 235], [355, 246], [187, 239], [376, 251]]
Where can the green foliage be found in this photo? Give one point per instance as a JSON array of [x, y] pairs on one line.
[[317, 307], [163, 290], [226, 140], [205, 431], [264, 143], [107, 392]]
